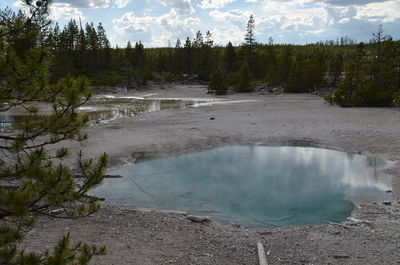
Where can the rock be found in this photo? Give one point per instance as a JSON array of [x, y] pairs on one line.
[[57, 211], [355, 221], [198, 219]]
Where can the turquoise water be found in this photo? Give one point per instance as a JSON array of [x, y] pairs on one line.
[[254, 186]]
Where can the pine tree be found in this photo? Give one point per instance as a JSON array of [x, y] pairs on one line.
[[104, 46], [354, 77], [271, 68], [162, 61], [217, 84], [170, 58], [140, 63], [197, 46], [81, 48], [335, 73], [178, 58], [285, 63], [250, 40], [296, 77], [206, 58], [230, 58], [71, 31], [249, 37], [129, 61], [92, 43], [244, 79], [140, 57], [209, 41], [188, 59], [198, 41], [31, 156]]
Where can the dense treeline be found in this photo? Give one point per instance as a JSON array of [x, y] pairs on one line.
[[372, 74], [347, 73]]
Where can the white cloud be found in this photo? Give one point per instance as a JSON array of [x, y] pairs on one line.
[[237, 17], [275, 15], [155, 31], [86, 3], [301, 21], [122, 3], [174, 27], [182, 7], [131, 27], [379, 12], [364, 15], [214, 3], [344, 20], [348, 2], [280, 19], [223, 34], [322, 2], [291, 21], [94, 3], [231, 25], [65, 11]]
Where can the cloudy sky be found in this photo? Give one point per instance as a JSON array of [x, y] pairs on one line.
[[155, 22]]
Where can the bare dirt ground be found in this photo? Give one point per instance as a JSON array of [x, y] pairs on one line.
[[137, 236]]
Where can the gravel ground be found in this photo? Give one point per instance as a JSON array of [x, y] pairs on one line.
[[137, 236]]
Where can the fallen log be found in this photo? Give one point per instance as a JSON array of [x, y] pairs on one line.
[[334, 223], [10, 187], [261, 254], [105, 176], [341, 256], [16, 187], [355, 221], [198, 219]]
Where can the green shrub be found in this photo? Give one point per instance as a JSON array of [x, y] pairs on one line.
[[342, 99], [368, 94], [396, 98], [218, 84], [146, 76], [168, 77], [371, 95], [106, 79], [243, 80]]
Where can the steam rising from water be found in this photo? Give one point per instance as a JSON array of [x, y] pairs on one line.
[[253, 185]]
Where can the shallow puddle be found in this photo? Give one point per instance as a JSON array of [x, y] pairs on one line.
[[104, 109], [254, 186]]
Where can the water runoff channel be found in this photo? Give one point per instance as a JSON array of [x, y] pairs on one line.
[[103, 108]]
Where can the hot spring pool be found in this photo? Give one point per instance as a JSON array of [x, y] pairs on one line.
[[253, 185]]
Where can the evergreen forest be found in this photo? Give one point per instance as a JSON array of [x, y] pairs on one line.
[[341, 70]]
